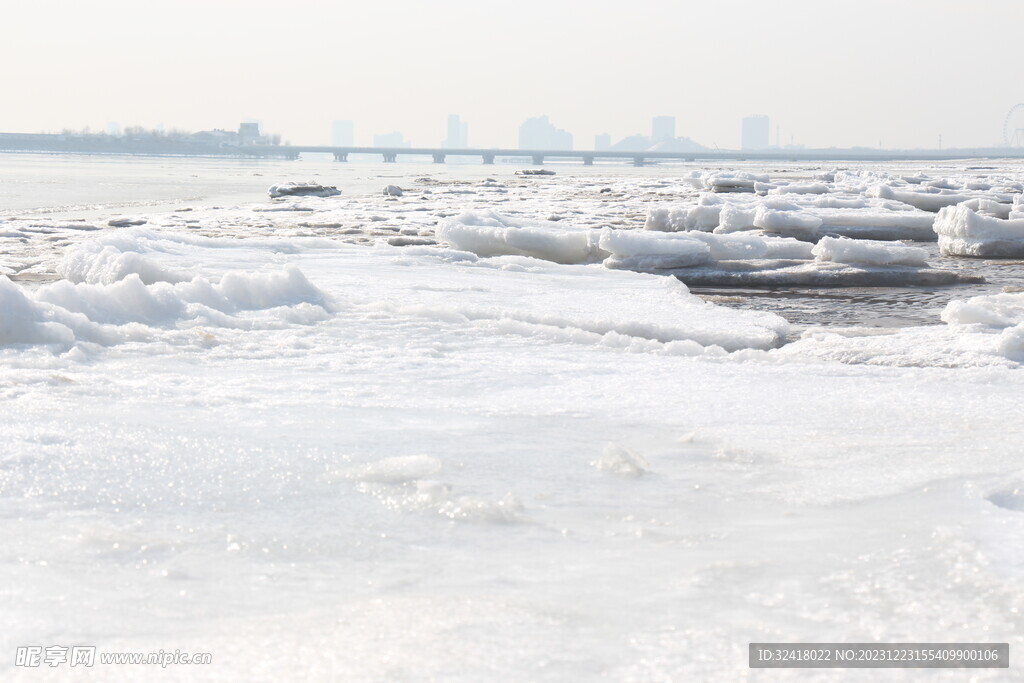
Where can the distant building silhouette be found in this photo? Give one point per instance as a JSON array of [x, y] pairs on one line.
[[663, 128], [342, 134], [394, 139], [602, 142], [633, 143], [538, 133], [755, 132], [458, 133], [248, 133], [642, 143]]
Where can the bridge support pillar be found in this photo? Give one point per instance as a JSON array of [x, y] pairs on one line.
[[638, 161], [438, 158], [538, 159], [588, 159], [292, 156], [488, 158], [390, 157], [341, 156]]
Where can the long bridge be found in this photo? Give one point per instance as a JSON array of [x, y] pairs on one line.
[[538, 156], [97, 144]]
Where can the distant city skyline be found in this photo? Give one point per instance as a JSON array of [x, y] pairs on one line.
[[537, 133], [579, 63]]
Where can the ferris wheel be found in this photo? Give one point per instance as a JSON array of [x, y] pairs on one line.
[[1013, 127]]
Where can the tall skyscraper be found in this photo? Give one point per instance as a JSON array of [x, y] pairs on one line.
[[458, 133], [538, 133], [755, 132], [663, 128], [342, 134]]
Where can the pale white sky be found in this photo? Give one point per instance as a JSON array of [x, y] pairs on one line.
[[899, 72]]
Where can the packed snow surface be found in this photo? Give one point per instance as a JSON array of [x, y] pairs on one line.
[[280, 438]]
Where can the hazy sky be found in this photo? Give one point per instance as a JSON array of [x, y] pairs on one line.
[[863, 72]]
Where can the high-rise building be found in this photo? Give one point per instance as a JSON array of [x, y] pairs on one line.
[[342, 134], [538, 133], [663, 128], [602, 142], [458, 133], [755, 132]]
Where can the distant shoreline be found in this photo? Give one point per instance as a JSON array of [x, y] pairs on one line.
[[108, 145]]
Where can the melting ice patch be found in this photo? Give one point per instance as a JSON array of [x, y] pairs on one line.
[[586, 304], [980, 331]]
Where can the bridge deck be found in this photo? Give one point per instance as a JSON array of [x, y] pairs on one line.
[[588, 156]]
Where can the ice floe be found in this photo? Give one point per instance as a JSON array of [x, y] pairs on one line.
[[488, 233], [742, 259], [965, 232], [125, 309], [308, 189], [866, 252]]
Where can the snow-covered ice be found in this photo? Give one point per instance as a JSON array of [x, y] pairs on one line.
[[279, 438], [489, 233], [306, 189], [871, 253], [965, 232]]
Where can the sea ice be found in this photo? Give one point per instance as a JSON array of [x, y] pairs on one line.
[[488, 233], [867, 252], [964, 232], [294, 435], [308, 189]]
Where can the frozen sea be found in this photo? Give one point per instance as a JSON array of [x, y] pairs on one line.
[[320, 442]]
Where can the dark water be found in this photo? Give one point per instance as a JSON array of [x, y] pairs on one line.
[[874, 306]]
